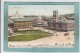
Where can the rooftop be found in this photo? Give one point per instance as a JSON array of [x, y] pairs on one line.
[[25, 19]]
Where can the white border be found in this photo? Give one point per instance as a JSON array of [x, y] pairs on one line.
[[43, 0], [2, 17]]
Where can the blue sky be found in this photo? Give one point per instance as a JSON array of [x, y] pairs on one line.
[[40, 9]]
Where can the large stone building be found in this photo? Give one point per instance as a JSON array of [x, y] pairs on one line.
[[60, 23], [24, 23], [17, 21]]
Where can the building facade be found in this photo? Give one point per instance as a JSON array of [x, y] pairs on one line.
[[24, 23], [60, 23]]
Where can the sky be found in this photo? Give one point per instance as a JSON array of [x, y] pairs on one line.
[[46, 10]]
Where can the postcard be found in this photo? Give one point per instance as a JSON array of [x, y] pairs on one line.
[[41, 26]]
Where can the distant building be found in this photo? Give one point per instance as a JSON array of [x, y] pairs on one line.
[[41, 22], [60, 23], [16, 15]]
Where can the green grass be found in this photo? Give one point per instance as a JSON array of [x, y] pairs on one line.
[[29, 35], [33, 32]]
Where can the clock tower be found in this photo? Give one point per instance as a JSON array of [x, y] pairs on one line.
[[55, 15]]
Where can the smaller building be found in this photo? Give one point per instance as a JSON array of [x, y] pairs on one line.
[[16, 15], [41, 22]]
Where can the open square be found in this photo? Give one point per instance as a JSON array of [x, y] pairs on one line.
[[28, 35]]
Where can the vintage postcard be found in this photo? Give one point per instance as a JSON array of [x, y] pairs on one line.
[[41, 26]]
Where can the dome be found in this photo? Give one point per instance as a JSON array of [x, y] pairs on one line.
[[16, 15]]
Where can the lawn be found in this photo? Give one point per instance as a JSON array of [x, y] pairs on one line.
[[29, 35]]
